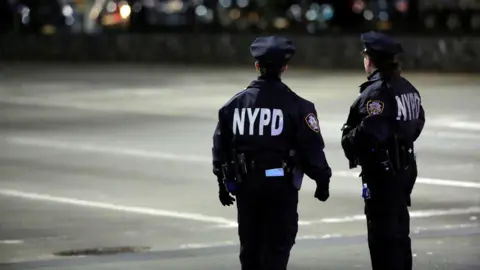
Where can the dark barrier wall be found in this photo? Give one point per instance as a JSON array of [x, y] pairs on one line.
[[452, 54]]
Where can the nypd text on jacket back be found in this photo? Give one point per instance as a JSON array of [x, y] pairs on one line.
[[257, 121]]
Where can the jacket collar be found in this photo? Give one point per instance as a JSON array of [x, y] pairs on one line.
[[375, 76], [262, 81]]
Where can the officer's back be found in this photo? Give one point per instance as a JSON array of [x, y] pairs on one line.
[[384, 121], [259, 128], [410, 116], [389, 93], [268, 120], [264, 116]]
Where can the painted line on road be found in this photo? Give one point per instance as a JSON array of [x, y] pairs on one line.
[[220, 221], [413, 215], [118, 208], [428, 213], [56, 102], [454, 124], [206, 249], [422, 180], [11, 242], [208, 245], [203, 245], [90, 148], [414, 231]]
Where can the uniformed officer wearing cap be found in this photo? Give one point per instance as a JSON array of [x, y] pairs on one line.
[[266, 137], [384, 122]]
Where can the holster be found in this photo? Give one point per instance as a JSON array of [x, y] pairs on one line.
[[378, 160], [403, 154]]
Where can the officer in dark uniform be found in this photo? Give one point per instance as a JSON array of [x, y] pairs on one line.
[[384, 122], [266, 137]]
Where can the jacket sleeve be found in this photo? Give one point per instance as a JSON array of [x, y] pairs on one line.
[[221, 143], [310, 146], [350, 124], [420, 123], [375, 128]]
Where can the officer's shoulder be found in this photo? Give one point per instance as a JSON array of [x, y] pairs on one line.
[[234, 97], [408, 83], [301, 101], [373, 88]]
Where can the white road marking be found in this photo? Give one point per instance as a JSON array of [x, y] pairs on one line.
[[81, 147], [361, 217], [119, 208], [432, 130], [455, 123], [220, 221], [413, 214], [211, 103], [422, 180], [90, 148], [325, 236], [11, 242], [208, 245], [464, 125], [415, 230], [449, 135]]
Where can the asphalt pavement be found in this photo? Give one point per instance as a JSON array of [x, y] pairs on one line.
[[117, 157]]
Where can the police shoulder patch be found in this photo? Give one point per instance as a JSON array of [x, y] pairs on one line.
[[375, 107], [312, 122]]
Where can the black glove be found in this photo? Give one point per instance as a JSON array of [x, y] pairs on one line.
[[346, 129], [348, 148], [224, 195], [321, 192]]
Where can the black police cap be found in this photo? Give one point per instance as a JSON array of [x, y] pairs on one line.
[[379, 43], [272, 50]]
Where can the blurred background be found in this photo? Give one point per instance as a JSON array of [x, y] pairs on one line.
[[107, 111], [438, 35], [314, 17]]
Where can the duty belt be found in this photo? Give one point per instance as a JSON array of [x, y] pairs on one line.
[[261, 164], [247, 162]]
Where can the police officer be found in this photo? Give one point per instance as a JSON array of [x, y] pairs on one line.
[[266, 137], [384, 122]]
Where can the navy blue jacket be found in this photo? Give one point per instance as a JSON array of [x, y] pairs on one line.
[[268, 117]]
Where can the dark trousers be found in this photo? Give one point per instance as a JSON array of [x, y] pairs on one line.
[[388, 224], [267, 221]]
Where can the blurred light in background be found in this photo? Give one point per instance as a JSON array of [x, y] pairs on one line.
[[368, 15], [402, 6], [358, 6], [301, 16], [318, 16], [25, 13], [125, 10]]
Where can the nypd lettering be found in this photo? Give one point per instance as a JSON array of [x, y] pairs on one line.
[[408, 106], [257, 121]]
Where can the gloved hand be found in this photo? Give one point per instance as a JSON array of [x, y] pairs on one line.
[[348, 148], [224, 195], [322, 192], [346, 129]]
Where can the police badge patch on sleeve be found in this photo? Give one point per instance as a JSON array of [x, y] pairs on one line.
[[312, 122], [375, 107]]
